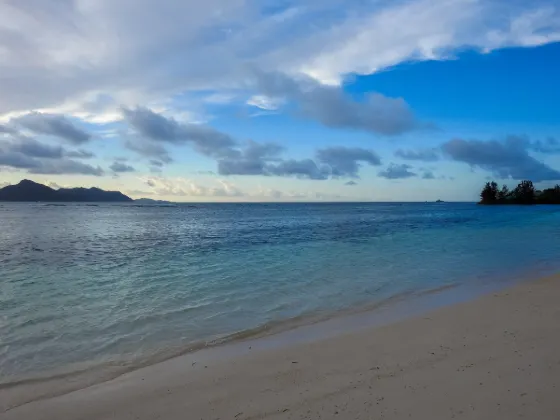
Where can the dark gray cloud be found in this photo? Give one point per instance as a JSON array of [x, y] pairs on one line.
[[157, 128], [157, 163], [32, 148], [17, 160], [120, 167], [428, 175], [80, 154], [305, 168], [265, 159], [397, 171], [509, 158], [351, 183], [425, 155], [242, 167], [331, 106], [39, 158], [149, 149], [152, 125], [52, 125], [264, 151], [47, 166], [345, 161], [254, 159], [66, 166]]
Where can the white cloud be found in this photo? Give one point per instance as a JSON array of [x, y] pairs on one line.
[[219, 98], [54, 185], [265, 102], [427, 30], [183, 187], [87, 57]]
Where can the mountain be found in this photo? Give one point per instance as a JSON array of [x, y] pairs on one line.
[[31, 191]]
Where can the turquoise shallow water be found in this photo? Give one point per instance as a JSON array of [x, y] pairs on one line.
[[91, 284]]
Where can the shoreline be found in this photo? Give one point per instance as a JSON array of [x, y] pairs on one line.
[[245, 352], [277, 334], [393, 307]]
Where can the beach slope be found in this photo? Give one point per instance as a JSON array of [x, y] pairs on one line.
[[496, 357]]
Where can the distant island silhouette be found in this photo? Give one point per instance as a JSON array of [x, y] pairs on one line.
[[524, 193], [32, 191], [151, 201]]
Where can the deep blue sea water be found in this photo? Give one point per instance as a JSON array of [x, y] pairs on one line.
[[88, 284]]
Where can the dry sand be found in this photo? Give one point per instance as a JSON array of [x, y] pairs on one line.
[[496, 357]]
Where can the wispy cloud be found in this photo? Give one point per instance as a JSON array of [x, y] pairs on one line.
[[86, 58]]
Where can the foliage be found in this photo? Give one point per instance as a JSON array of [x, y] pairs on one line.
[[524, 193], [489, 194], [549, 196], [503, 194]]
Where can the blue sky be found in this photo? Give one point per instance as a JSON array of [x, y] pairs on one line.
[[242, 100]]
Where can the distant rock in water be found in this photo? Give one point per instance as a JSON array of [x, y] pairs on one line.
[[32, 191]]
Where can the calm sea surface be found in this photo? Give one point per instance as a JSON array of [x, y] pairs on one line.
[[88, 284]]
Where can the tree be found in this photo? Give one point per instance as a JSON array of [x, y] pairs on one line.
[[489, 193], [550, 196], [503, 194], [524, 193]]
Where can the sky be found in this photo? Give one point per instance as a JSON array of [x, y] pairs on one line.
[[261, 100]]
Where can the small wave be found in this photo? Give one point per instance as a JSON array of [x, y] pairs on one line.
[[78, 377], [437, 289]]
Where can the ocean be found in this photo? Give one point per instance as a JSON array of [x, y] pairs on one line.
[[83, 286]]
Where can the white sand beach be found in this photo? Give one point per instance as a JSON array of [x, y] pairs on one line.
[[496, 357]]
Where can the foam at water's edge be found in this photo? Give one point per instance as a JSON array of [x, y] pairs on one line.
[[20, 391], [58, 383]]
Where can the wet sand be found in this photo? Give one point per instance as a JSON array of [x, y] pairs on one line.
[[495, 357]]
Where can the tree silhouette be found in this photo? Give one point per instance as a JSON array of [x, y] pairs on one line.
[[550, 196], [524, 193], [503, 194], [489, 193]]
